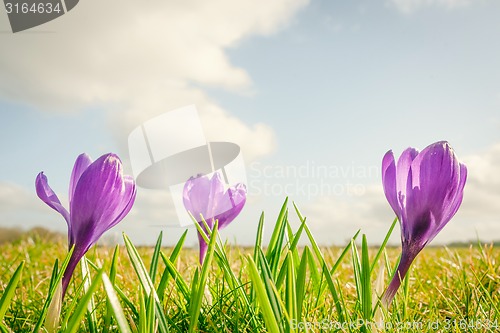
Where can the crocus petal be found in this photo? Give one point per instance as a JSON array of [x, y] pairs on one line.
[[435, 171], [389, 182], [100, 197], [235, 199], [202, 196], [81, 164], [403, 171], [215, 203], [435, 176], [195, 195], [127, 201], [48, 196], [403, 185], [453, 203]]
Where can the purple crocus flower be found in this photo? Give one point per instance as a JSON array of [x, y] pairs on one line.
[[425, 191], [100, 196], [208, 198]]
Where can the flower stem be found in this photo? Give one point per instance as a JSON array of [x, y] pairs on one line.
[[407, 258], [68, 272]]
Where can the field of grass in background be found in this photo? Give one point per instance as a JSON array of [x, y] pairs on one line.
[[278, 288]]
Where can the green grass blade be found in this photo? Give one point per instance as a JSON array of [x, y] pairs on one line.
[[173, 258], [9, 291], [146, 282], [384, 243], [282, 274], [150, 311], [179, 280], [274, 253], [56, 278], [258, 238], [194, 288], [87, 281], [143, 322], [270, 287], [357, 271], [153, 268], [298, 234], [196, 301], [277, 229], [80, 311], [115, 305], [291, 290], [301, 282], [366, 281], [343, 254], [293, 241], [331, 286], [71, 305], [132, 308], [112, 277], [314, 245], [262, 297]]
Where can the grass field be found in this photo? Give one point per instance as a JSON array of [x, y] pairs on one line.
[[277, 288]]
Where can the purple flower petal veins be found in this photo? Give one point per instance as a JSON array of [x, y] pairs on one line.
[[208, 198], [100, 196], [425, 191]]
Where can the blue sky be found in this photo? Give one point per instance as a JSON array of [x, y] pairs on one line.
[[297, 84]]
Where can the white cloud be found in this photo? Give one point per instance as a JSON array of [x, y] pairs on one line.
[[20, 207], [482, 191], [14, 197], [136, 60], [139, 60], [335, 219], [410, 6]]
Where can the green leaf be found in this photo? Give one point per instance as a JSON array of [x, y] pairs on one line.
[[151, 314], [143, 322], [146, 282], [301, 282], [366, 281], [9, 291], [112, 277], [56, 278], [127, 301], [277, 228], [179, 280], [384, 243], [154, 259], [291, 291], [357, 271], [87, 281], [270, 287], [275, 247], [166, 273], [76, 319], [115, 305], [274, 253], [258, 239], [197, 298], [266, 308]]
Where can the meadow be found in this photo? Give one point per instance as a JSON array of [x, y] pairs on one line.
[[280, 287]]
